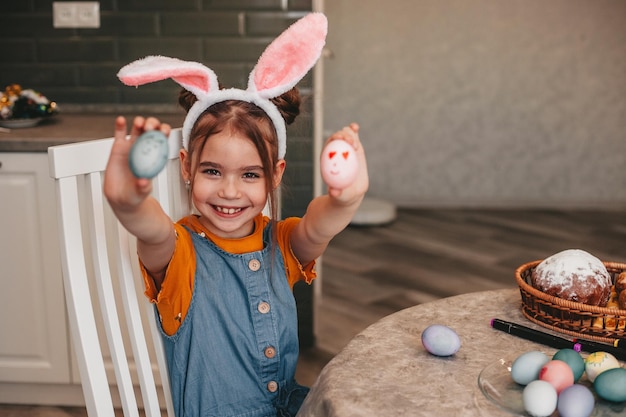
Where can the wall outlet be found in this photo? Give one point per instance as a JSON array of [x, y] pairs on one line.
[[76, 14]]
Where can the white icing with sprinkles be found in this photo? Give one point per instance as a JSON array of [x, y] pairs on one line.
[[561, 269]]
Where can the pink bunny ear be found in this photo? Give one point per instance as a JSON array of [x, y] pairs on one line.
[[289, 57], [192, 76]]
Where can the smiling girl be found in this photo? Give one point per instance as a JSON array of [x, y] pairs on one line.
[[222, 277]]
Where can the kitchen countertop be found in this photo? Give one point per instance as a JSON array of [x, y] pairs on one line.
[[67, 128]]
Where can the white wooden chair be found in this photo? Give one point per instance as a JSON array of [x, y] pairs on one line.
[[100, 267]]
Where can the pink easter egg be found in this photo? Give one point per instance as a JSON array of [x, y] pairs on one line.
[[558, 374], [339, 165]]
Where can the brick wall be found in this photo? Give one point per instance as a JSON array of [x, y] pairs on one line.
[[77, 67]]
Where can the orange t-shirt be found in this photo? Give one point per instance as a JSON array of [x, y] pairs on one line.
[[174, 298]]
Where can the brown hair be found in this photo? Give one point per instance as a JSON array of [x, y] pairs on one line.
[[249, 120]]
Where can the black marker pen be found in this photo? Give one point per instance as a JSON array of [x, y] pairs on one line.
[[555, 341]]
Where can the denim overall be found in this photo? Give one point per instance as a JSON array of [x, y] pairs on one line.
[[235, 354]]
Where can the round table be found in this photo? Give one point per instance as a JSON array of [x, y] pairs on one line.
[[385, 370]]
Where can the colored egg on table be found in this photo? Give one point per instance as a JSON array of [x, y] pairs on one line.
[[573, 359], [148, 155], [576, 401], [598, 362], [440, 340], [525, 368], [539, 398], [611, 385], [558, 374], [339, 165]]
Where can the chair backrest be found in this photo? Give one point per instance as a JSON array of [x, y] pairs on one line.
[[100, 267]]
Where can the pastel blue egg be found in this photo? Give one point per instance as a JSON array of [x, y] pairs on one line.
[[611, 385], [525, 368], [576, 401], [148, 155], [440, 340], [573, 360]]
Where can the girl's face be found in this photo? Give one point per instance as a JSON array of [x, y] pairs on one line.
[[229, 188]]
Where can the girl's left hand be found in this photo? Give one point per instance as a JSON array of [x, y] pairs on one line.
[[354, 192]]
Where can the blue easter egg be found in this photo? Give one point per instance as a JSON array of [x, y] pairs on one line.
[[525, 368], [148, 155], [611, 385], [440, 340], [573, 359]]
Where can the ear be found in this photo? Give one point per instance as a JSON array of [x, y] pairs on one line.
[[192, 76], [185, 165], [289, 57], [279, 170]]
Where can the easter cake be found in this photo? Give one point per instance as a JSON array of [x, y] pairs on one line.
[[574, 275]]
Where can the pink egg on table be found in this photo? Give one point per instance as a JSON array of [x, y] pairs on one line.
[[558, 374], [339, 165]]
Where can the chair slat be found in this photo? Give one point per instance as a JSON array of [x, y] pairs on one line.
[[162, 194], [135, 326], [106, 295], [78, 299]]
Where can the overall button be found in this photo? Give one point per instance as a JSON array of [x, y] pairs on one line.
[[270, 352], [263, 307], [272, 386], [254, 264]]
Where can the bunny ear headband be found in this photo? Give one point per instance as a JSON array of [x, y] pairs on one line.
[[283, 63]]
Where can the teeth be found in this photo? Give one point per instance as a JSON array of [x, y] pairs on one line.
[[227, 210]]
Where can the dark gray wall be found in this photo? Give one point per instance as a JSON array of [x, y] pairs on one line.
[[77, 67]]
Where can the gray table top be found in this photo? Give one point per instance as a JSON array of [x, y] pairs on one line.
[[385, 370]]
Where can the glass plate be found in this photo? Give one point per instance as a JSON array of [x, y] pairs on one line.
[[496, 384], [20, 123]]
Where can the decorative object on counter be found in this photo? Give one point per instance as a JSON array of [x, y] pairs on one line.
[[24, 107]]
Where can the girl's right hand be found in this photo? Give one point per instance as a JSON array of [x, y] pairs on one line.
[[122, 189]]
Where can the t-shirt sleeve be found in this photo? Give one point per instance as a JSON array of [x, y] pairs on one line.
[[295, 270], [174, 299]]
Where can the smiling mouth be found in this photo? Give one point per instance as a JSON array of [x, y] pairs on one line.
[[227, 210]]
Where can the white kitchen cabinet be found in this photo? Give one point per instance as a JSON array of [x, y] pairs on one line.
[[37, 364], [34, 343]]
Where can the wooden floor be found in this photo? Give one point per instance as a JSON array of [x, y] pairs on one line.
[[370, 272]]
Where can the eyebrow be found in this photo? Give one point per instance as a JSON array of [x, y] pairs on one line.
[[209, 164]]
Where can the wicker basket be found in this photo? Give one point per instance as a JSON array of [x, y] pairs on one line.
[[575, 319]]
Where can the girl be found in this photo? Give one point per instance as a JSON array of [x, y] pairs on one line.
[[221, 278]]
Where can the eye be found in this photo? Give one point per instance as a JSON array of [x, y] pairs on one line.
[[251, 175], [211, 172]]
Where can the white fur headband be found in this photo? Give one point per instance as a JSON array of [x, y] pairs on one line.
[[283, 63]]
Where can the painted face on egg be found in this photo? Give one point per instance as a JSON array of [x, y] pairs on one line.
[[339, 165], [148, 154]]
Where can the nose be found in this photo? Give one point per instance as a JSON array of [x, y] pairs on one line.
[[228, 189]]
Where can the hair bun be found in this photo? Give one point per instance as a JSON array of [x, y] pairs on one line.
[[288, 104], [186, 99]]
